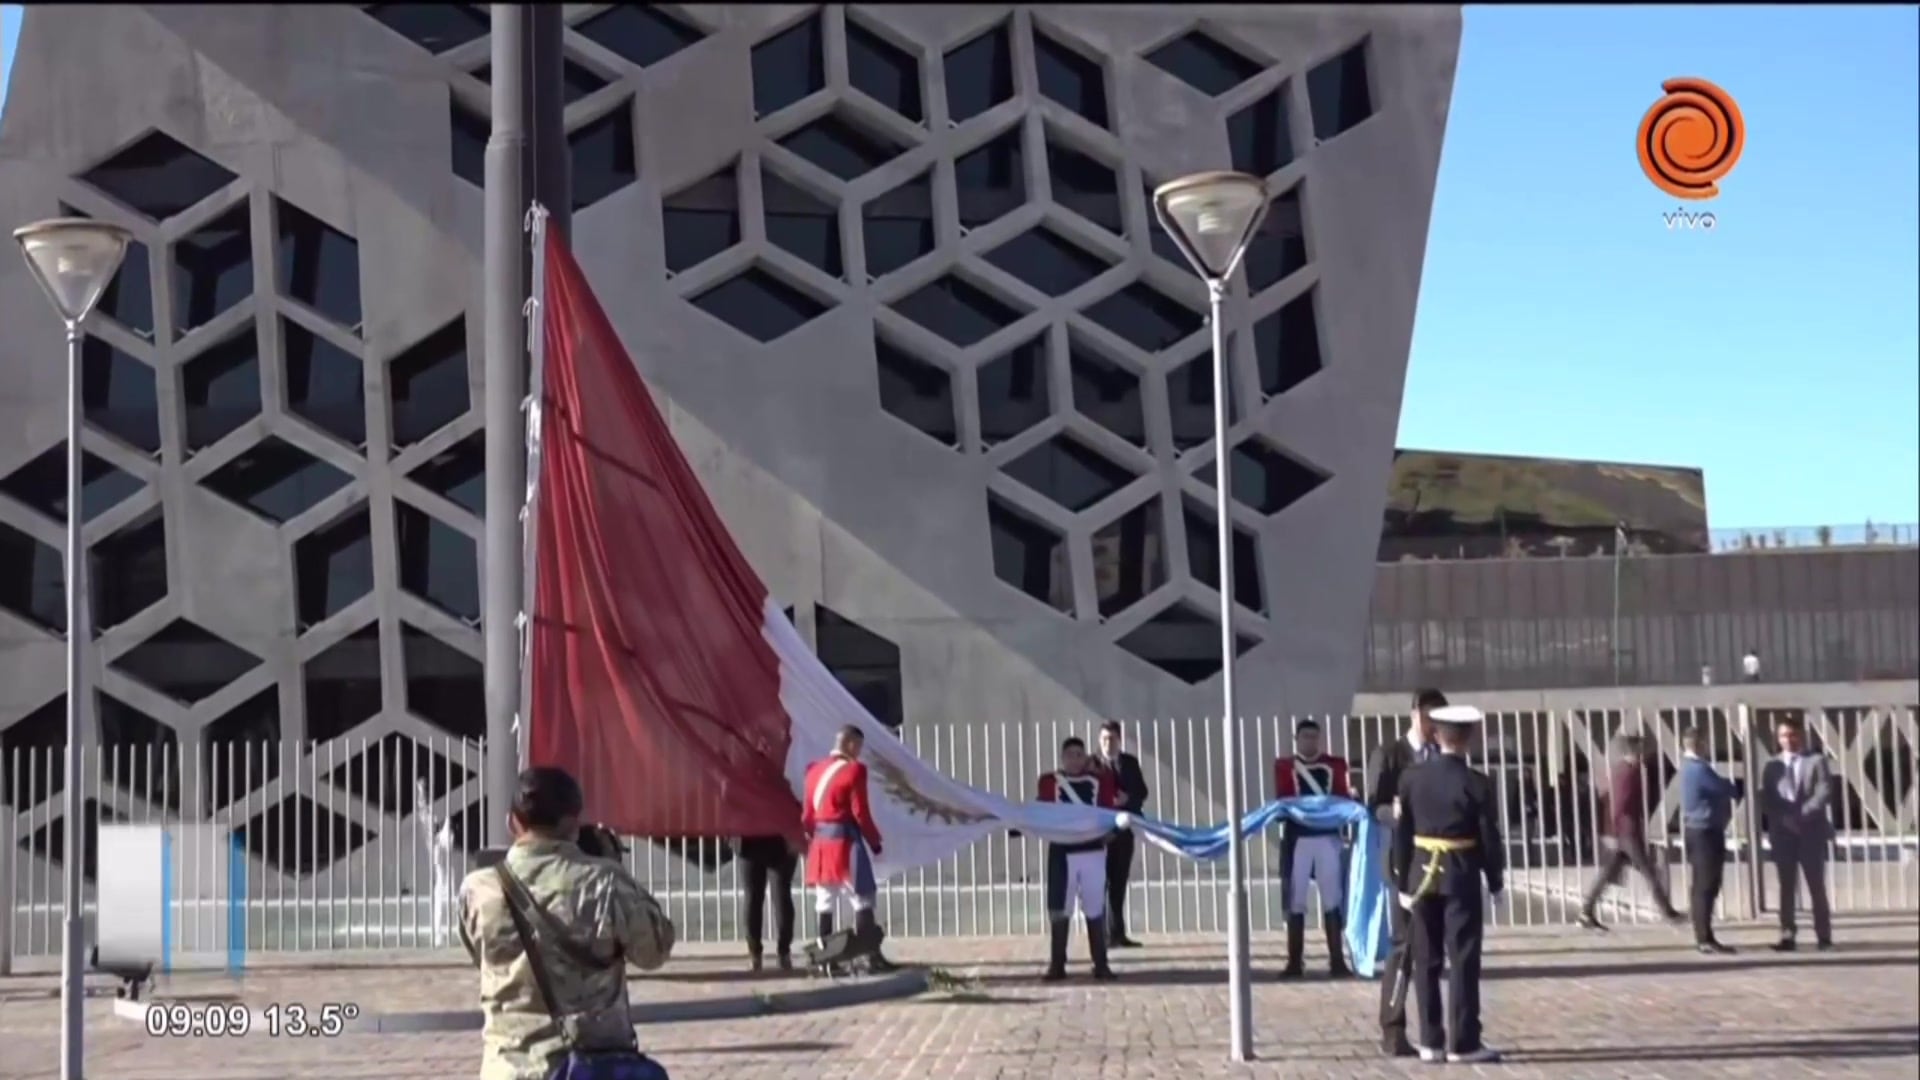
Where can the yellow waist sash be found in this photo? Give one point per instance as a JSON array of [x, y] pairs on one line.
[[1437, 848]]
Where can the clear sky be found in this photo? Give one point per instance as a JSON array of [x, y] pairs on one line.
[[1559, 316]]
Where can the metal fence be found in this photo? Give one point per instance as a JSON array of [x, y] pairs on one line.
[[342, 839]]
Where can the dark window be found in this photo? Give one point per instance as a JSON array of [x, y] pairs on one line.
[[1259, 138], [1029, 556], [1163, 243], [427, 384], [1190, 401], [1129, 558], [343, 685], [1013, 392], [603, 157], [1203, 557], [1280, 246], [956, 310], [1087, 187], [1338, 94], [867, 664], [1183, 643], [577, 81], [1286, 346], [185, 662], [701, 220], [299, 836], [841, 147], [1047, 261], [35, 742], [438, 563], [991, 180], [138, 754], [898, 226], [1107, 394], [1070, 78], [802, 223], [42, 484], [640, 34], [325, 384], [128, 572], [759, 305], [436, 28], [212, 270], [49, 841], [33, 584], [445, 686], [979, 74], [158, 177], [1145, 317], [128, 299], [277, 481], [917, 392], [1264, 478], [117, 395], [1069, 472], [470, 134], [458, 474], [221, 389], [333, 567], [241, 751], [388, 772], [884, 72], [788, 66], [1203, 63], [318, 265]]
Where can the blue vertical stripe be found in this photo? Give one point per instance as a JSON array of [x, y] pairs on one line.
[[166, 901], [236, 905]]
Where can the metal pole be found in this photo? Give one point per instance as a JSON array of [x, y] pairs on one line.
[[1619, 549], [1239, 974], [73, 834], [505, 441]]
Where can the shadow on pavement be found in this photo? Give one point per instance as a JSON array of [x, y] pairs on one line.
[[1851, 1046], [1694, 965]]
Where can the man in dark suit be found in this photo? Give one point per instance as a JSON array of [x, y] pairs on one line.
[[1796, 788], [1389, 763], [1131, 784]]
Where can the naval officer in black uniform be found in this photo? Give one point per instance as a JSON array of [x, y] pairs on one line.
[[1447, 839], [1390, 762]]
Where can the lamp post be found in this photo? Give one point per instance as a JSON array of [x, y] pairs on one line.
[[74, 259], [1212, 217]]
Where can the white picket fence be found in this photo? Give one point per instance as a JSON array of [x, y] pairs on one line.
[[357, 844]]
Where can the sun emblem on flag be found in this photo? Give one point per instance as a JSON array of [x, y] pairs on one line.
[[897, 784]]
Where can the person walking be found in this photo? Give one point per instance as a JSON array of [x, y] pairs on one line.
[[1627, 820], [1706, 806], [770, 862], [1384, 772], [1131, 784], [1796, 788]]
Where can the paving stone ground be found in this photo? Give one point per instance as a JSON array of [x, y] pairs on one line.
[[1635, 1004]]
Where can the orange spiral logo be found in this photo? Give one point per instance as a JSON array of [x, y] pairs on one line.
[[1691, 138]]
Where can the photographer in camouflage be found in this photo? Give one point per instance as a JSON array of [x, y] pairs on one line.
[[563, 1000]]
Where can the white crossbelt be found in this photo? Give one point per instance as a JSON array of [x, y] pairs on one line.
[[1308, 777], [1063, 787], [826, 779]]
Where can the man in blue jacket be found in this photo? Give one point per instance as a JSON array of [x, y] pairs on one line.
[[1706, 805]]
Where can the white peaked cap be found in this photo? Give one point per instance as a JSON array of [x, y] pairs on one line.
[[1457, 714]]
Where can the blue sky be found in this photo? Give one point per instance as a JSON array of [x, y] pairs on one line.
[[1560, 317]]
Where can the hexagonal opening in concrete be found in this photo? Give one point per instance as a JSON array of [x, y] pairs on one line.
[[49, 841], [1190, 402], [1204, 62], [324, 384], [897, 227], [842, 146], [470, 132], [333, 567], [317, 264], [220, 388], [128, 299], [1070, 78], [157, 176], [1286, 345], [127, 572], [789, 66], [1069, 472], [212, 269], [427, 384], [979, 73], [1014, 391], [1339, 94], [991, 179], [438, 563], [1129, 558], [297, 836], [884, 71], [916, 392], [802, 223], [1029, 556], [577, 80], [241, 751], [34, 582], [1048, 261], [1182, 642], [1084, 184], [1280, 246], [957, 309], [1203, 556], [276, 480], [342, 685], [640, 34], [702, 219], [603, 156], [391, 772], [458, 474], [1107, 393], [35, 742], [867, 664], [185, 662], [118, 396], [42, 484], [444, 685], [1260, 137], [1145, 317], [138, 754], [436, 28], [759, 304], [1265, 477]]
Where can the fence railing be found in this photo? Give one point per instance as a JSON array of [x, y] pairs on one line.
[[359, 844]]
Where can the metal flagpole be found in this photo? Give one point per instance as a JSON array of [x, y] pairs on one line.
[[536, 315], [505, 295], [73, 853]]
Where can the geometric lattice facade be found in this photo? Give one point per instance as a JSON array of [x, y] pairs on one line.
[[891, 271]]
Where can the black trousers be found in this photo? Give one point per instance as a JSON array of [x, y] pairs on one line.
[[1707, 856], [770, 866], [1796, 860], [1119, 869], [1447, 933], [1628, 851], [1395, 972]]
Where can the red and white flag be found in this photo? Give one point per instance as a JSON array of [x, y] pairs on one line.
[[662, 674]]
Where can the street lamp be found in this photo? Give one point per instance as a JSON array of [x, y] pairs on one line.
[[73, 259], [1212, 216]]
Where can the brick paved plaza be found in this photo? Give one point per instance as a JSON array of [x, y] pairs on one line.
[[1637, 1004]]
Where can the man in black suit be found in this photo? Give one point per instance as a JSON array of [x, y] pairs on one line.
[[1132, 785], [1390, 762]]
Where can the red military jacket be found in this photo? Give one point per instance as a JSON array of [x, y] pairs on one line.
[[1324, 775], [1095, 787]]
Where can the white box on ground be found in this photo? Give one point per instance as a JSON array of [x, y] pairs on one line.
[[131, 924]]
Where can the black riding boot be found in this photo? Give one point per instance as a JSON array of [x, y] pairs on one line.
[[1296, 946], [867, 927], [823, 924], [1336, 925], [1057, 933], [1097, 948]]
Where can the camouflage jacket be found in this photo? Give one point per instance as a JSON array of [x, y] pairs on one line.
[[599, 904]]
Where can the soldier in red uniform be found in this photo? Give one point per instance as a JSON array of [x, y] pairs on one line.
[[838, 821], [1312, 855], [1078, 872]]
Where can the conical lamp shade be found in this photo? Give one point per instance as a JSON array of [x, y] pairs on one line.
[[1212, 216], [74, 259]]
